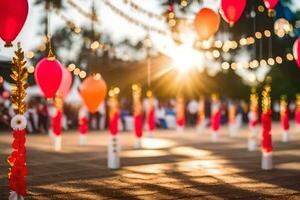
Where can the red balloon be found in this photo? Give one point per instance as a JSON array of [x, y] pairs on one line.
[[65, 84], [270, 4], [48, 76], [296, 51], [93, 92], [13, 14], [206, 23], [232, 10]]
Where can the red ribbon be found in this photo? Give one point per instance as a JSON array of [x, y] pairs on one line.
[[297, 115], [56, 123], [114, 124], [285, 124], [138, 125], [17, 162], [83, 125], [215, 121], [151, 119], [266, 120]]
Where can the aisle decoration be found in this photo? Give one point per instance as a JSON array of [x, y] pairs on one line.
[[232, 124], [17, 160], [215, 119], [13, 14], [253, 120], [296, 51], [150, 113], [201, 121], [284, 118], [232, 10], [93, 92], [114, 148], [266, 120], [206, 23], [180, 113], [137, 114], [83, 125], [297, 111]]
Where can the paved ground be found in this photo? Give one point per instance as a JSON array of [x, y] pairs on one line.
[[170, 167]]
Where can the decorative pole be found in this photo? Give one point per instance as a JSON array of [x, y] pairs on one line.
[[17, 160], [137, 114], [201, 123], [57, 122], [215, 117], [297, 111], [114, 148], [266, 120], [83, 125], [284, 118], [150, 113], [232, 119], [253, 120], [180, 113]]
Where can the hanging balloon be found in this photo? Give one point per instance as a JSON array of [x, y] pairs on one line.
[[206, 23], [13, 14], [48, 76], [93, 91], [65, 84], [232, 10], [271, 4], [296, 51]]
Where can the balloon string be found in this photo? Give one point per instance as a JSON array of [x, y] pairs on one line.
[[49, 4]]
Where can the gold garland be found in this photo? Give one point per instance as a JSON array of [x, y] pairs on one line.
[[19, 75], [266, 98]]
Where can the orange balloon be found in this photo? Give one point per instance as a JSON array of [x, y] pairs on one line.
[[206, 23], [93, 92]]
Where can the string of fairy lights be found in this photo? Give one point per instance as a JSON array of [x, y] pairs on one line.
[[218, 46]]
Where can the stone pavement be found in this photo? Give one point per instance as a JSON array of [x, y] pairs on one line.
[[171, 166]]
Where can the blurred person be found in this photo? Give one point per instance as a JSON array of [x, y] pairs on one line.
[[192, 110]]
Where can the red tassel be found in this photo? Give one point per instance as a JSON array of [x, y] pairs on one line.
[[83, 125], [17, 162], [285, 124], [266, 119], [215, 121], [151, 120], [56, 123]]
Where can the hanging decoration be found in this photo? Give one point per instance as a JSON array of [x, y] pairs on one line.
[[270, 5], [232, 123], [137, 114], [206, 23], [253, 116], [65, 84], [150, 113], [180, 113], [284, 118], [48, 74], [296, 51], [114, 117], [266, 120], [232, 10], [215, 119], [13, 14], [201, 121], [83, 125], [17, 160], [93, 92]]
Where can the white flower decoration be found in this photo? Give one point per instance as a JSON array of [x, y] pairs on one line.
[[18, 122]]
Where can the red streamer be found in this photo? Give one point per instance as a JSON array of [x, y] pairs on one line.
[[285, 124], [83, 125], [266, 120], [17, 162], [56, 123], [138, 125], [297, 116], [215, 121], [151, 119], [114, 124]]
